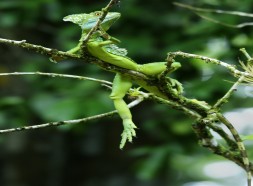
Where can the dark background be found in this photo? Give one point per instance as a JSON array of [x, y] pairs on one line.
[[166, 151]]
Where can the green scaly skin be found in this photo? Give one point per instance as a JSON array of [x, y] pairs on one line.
[[102, 46], [107, 51]]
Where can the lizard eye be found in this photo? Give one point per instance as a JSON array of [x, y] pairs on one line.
[[98, 13]]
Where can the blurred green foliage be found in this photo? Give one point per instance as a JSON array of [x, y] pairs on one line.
[[166, 147]]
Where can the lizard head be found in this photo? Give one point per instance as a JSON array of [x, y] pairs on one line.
[[88, 21]]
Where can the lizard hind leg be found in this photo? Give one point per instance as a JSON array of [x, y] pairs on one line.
[[156, 68], [121, 84], [152, 68]]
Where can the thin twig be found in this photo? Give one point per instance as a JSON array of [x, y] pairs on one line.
[[38, 48], [242, 78], [56, 75], [70, 122], [236, 13], [243, 50], [228, 94], [241, 25], [231, 68], [177, 106]]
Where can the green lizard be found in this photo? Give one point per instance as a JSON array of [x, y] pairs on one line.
[[102, 46]]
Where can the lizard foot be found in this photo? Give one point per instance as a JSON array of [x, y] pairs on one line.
[[176, 85], [128, 132]]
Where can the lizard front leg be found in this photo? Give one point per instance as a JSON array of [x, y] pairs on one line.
[[121, 84]]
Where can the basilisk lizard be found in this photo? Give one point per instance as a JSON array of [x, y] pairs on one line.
[[102, 46]]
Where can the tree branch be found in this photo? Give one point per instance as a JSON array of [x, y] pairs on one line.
[[237, 13], [197, 11], [38, 48], [65, 55], [56, 75], [231, 68], [70, 122]]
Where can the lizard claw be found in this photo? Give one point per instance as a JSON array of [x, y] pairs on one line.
[[128, 132]]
